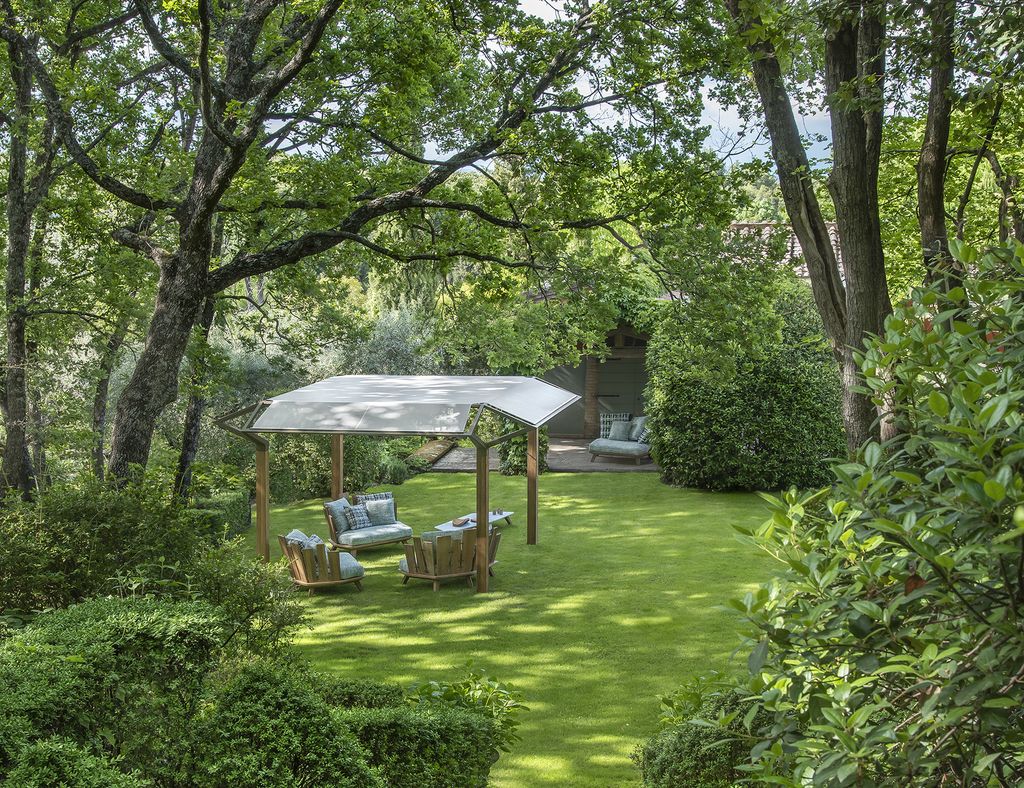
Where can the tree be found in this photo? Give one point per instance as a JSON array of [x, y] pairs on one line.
[[263, 84]]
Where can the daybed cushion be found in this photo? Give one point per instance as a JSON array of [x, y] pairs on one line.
[[607, 419], [619, 448], [337, 511], [619, 431], [375, 533], [637, 427]]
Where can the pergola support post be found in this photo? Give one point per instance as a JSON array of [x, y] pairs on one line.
[[482, 517], [337, 465], [532, 471], [263, 500]]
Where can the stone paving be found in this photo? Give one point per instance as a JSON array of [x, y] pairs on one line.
[[564, 455]]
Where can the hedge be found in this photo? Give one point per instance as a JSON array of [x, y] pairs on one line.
[[361, 693], [61, 762], [417, 747]]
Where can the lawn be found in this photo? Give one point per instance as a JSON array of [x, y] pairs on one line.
[[621, 600]]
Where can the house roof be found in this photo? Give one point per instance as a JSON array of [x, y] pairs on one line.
[[417, 404]]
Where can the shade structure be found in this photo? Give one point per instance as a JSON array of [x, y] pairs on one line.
[[404, 405], [417, 404]]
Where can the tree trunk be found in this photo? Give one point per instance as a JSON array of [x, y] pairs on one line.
[[17, 466], [101, 396], [154, 381], [852, 56], [194, 412], [931, 165]]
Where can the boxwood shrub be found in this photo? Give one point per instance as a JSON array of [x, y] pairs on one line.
[[361, 693], [57, 761], [421, 747], [773, 423]]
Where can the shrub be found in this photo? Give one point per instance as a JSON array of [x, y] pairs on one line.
[[772, 423], [512, 453], [702, 751], [228, 513], [62, 762], [890, 650], [432, 747], [267, 726], [117, 675], [72, 540], [480, 694], [361, 693]]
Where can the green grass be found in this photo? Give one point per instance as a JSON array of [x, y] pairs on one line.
[[621, 600]]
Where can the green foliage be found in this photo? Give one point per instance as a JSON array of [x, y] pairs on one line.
[[267, 726], [229, 512], [706, 745], [773, 422], [429, 747], [361, 693], [117, 676], [512, 453], [890, 648], [73, 540], [61, 762], [477, 693]]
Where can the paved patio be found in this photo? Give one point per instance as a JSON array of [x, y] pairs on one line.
[[567, 455]]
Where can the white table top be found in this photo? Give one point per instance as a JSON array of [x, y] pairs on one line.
[[491, 519]]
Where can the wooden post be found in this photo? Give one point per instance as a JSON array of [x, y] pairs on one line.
[[591, 406], [532, 470], [337, 466], [482, 517], [263, 501]]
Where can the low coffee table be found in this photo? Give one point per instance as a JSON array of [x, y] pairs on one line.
[[492, 518]]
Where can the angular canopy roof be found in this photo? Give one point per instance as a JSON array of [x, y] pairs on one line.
[[425, 404]]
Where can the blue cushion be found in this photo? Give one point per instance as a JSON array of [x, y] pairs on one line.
[[619, 448], [381, 511], [607, 419], [381, 496], [619, 431], [365, 537], [636, 427], [350, 567], [358, 517], [337, 511]]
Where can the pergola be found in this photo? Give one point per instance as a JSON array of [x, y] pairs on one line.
[[428, 405]]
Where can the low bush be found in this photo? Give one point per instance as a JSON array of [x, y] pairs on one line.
[[512, 453], [61, 762], [709, 740], [476, 693], [227, 514], [268, 726], [774, 422], [432, 747], [361, 693], [73, 540]]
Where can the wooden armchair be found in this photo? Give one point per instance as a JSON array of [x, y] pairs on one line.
[[318, 567], [446, 557]]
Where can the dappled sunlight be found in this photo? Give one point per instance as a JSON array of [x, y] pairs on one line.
[[622, 599]]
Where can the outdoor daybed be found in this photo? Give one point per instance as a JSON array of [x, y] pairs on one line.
[[370, 522], [624, 439]]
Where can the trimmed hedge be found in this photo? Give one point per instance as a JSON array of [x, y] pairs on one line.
[[772, 424], [418, 747], [268, 726], [512, 453], [59, 761], [361, 693]]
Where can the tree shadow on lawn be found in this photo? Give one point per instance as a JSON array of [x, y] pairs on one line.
[[621, 600]]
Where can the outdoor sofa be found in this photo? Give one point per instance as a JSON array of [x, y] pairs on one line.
[[624, 439], [369, 522]]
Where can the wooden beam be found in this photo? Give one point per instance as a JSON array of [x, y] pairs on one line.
[[337, 465], [263, 502], [532, 471], [482, 516]]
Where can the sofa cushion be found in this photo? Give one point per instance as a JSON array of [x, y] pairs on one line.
[[374, 534], [381, 511], [295, 536], [381, 496], [337, 511], [636, 427], [619, 431], [350, 567], [619, 448], [357, 517], [607, 419]]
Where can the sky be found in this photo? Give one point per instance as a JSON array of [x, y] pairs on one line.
[[724, 122]]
